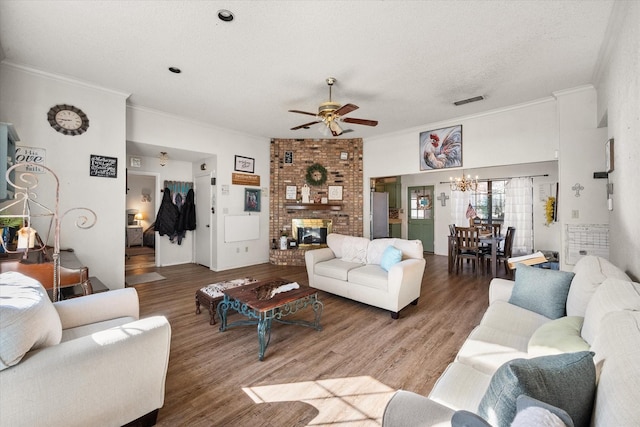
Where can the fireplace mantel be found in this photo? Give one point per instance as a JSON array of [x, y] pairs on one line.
[[313, 207]]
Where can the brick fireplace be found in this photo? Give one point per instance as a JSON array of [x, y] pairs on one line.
[[290, 159]]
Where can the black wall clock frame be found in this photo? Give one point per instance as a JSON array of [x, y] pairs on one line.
[[68, 120]]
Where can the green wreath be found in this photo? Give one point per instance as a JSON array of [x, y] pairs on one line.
[[313, 171]]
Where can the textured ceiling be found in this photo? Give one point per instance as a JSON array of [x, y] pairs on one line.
[[402, 62]]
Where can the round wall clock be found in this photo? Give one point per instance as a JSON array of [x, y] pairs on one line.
[[68, 119]]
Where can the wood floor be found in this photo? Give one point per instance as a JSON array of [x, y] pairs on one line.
[[342, 375]]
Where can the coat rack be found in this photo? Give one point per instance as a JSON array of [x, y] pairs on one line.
[[26, 207]]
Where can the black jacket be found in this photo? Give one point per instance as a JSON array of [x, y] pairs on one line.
[[187, 218], [167, 218]]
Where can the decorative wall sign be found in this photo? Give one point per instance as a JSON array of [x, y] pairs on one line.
[[335, 192], [244, 179], [251, 200], [291, 192], [608, 153], [441, 148], [288, 157], [244, 164], [103, 166], [31, 155], [344, 155], [135, 162]]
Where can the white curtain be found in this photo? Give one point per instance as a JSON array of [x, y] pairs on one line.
[[459, 204], [518, 213]]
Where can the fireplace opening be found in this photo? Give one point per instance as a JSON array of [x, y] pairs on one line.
[[311, 232]]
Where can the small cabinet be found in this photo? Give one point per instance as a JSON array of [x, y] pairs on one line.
[[134, 235], [394, 188], [395, 230], [8, 139]]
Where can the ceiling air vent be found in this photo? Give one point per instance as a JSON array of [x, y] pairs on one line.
[[466, 101]]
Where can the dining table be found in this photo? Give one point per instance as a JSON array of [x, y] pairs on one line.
[[494, 241]]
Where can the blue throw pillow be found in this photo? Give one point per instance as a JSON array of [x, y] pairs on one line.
[[541, 291], [390, 256], [566, 381]]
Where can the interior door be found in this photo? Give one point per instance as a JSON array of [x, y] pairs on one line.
[[421, 216], [204, 216]]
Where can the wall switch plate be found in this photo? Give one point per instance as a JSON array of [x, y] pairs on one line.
[[575, 214]]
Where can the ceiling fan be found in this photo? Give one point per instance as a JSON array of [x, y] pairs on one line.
[[331, 112]]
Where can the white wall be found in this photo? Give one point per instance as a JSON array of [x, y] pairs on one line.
[[156, 128], [523, 135], [581, 154], [618, 85], [27, 96]]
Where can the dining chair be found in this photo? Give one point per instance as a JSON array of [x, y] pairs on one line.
[[452, 246], [468, 242], [505, 253]]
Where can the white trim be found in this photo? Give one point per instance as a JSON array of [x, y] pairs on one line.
[[65, 79]]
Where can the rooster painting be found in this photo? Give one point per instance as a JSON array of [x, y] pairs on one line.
[[441, 148]]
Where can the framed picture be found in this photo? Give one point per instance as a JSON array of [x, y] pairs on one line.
[[103, 166], [335, 192], [244, 164], [288, 157], [291, 192], [251, 200], [608, 155], [441, 148]]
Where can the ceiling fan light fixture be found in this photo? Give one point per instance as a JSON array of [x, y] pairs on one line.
[[225, 15], [335, 128]]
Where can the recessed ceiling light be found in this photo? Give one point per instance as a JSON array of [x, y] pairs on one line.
[[468, 100], [175, 70], [225, 15]]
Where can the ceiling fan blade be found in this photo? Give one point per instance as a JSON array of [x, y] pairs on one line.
[[360, 121], [346, 109], [303, 112], [306, 125]]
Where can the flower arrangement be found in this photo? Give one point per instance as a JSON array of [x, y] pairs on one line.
[[549, 210]]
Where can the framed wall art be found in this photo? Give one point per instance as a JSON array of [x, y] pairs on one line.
[[244, 164], [335, 192], [251, 200], [441, 148], [103, 166], [291, 192], [608, 155]]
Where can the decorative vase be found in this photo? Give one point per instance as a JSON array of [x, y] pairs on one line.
[[283, 243]]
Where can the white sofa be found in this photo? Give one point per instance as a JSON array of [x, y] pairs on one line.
[[350, 267], [603, 305], [87, 361]]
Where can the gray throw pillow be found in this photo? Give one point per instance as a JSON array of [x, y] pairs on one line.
[[541, 291], [566, 381]]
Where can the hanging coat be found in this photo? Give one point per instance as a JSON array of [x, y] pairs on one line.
[[187, 219], [167, 217]]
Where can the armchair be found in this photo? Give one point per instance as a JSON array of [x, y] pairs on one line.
[[99, 364]]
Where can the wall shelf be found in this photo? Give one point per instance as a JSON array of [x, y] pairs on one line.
[[313, 207]]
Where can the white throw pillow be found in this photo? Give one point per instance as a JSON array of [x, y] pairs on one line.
[[354, 249], [28, 318]]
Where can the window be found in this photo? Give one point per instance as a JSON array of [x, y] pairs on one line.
[[489, 201]]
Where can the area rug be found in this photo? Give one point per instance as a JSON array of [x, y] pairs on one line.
[[136, 279]]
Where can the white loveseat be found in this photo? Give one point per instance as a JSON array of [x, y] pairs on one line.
[[88, 361], [351, 267], [603, 308]]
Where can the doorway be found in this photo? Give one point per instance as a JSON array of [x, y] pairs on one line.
[[140, 236], [421, 216], [205, 212]]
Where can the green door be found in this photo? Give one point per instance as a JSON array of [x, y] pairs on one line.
[[421, 216]]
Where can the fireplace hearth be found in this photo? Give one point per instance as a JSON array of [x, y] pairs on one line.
[[310, 232]]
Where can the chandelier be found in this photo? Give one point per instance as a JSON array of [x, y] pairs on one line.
[[463, 183]]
